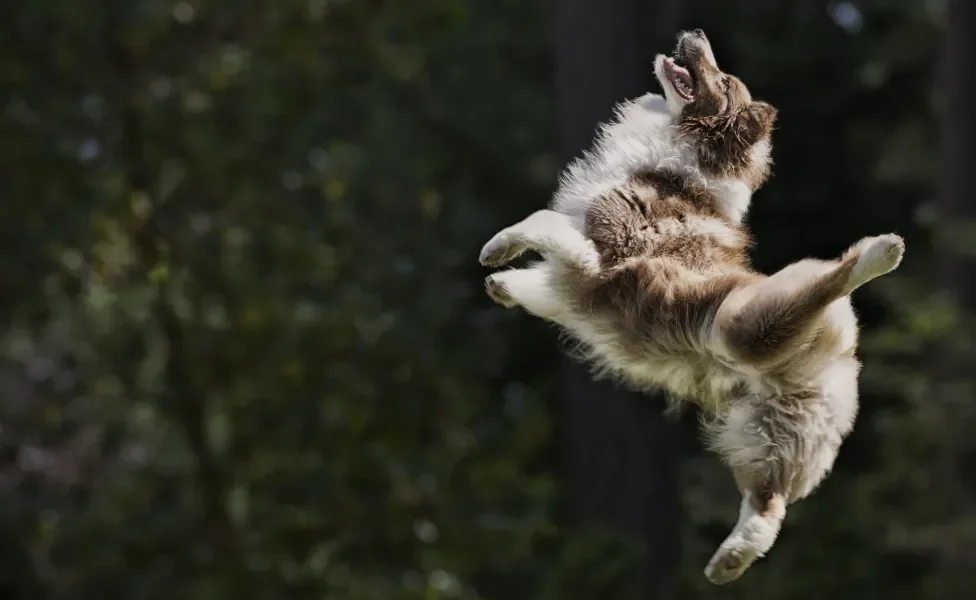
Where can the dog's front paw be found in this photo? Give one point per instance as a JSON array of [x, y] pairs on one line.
[[731, 560], [497, 291], [502, 249]]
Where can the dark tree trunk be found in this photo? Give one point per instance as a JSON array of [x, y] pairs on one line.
[[952, 370], [959, 151], [620, 455]]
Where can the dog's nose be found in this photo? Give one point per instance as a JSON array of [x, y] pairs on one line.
[[699, 33]]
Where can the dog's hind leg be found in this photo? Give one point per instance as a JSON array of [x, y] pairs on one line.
[[768, 321], [779, 449], [761, 441], [545, 231]]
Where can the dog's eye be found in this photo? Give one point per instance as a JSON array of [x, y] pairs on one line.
[[726, 83]]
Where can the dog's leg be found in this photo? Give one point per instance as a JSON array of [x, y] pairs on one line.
[[760, 518], [779, 448], [531, 288], [758, 440], [547, 232], [768, 320]]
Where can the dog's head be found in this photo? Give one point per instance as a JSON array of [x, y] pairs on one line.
[[715, 111]]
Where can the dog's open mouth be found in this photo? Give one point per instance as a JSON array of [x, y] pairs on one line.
[[680, 78]]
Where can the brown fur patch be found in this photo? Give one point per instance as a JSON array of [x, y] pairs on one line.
[[723, 140], [660, 213], [723, 120]]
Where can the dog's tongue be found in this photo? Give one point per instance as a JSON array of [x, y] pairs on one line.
[[678, 72]]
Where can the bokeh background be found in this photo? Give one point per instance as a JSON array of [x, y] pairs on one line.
[[246, 350]]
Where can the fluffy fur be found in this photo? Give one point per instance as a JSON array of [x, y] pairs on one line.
[[646, 266]]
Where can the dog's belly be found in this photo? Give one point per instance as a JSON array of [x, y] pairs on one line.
[[686, 376], [710, 386]]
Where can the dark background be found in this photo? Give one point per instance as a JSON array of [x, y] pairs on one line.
[[246, 351]]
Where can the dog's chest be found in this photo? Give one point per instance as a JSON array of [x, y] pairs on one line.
[[641, 137]]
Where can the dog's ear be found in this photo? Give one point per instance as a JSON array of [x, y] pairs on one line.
[[756, 121]]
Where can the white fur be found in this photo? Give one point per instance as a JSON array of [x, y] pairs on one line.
[[879, 255], [641, 135], [548, 232], [533, 289]]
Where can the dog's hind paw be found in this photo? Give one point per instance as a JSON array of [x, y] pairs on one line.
[[730, 562], [878, 255]]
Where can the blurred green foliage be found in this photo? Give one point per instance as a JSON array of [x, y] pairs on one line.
[[246, 349]]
